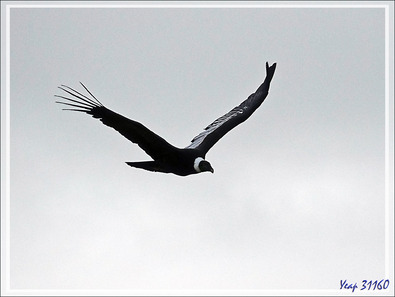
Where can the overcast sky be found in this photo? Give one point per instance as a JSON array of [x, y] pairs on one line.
[[297, 198]]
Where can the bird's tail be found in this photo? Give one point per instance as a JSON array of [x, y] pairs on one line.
[[146, 165]]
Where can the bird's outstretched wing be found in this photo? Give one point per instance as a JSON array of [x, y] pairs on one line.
[[216, 130], [151, 143]]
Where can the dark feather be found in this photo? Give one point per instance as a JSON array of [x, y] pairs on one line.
[[216, 130], [151, 143]]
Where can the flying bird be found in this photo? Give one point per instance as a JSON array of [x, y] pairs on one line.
[[166, 157]]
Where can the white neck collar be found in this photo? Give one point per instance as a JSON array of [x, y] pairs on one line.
[[196, 164]]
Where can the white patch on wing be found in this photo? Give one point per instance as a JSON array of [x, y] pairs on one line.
[[213, 126]]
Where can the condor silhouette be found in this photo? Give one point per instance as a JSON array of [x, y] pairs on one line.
[[166, 157]]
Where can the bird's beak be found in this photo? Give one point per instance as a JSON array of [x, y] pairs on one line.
[[212, 170]]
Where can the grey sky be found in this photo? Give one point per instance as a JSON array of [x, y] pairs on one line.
[[297, 198]]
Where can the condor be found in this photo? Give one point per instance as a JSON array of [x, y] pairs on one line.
[[166, 157]]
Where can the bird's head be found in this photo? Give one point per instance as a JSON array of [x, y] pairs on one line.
[[205, 166], [202, 165]]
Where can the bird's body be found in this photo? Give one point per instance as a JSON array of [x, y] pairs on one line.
[[180, 162], [166, 157]]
